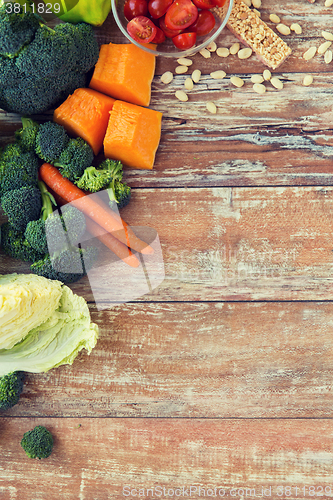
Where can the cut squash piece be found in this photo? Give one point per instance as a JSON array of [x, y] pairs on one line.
[[133, 135], [85, 114], [124, 71]]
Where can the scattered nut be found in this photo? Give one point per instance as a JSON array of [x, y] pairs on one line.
[[276, 82], [211, 47], [283, 29], [218, 75], [257, 79], [309, 53], [307, 80], [267, 74], [323, 47], [205, 53], [183, 61], [328, 3], [327, 35], [167, 77], [222, 52], [259, 88], [196, 75], [297, 28], [248, 3], [244, 53], [328, 56], [256, 4], [238, 82], [211, 107], [188, 84], [181, 95], [234, 48], [274, 18], [181, 69]]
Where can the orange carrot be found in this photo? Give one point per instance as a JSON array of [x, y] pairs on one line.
[[108, 220]]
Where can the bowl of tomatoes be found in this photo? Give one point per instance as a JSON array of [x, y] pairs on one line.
[[177, 28]]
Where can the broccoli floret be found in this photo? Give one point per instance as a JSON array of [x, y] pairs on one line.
[[37, 443], [51, 140], [18, 168], [121, 193], [14, 243], [75, 158], [49, 53], [11, 386], [35, 232], [65, 229], [26, 135], [68, 266], [86, 44], [16, 29], [46, 65], [94, 179], [21, 206]]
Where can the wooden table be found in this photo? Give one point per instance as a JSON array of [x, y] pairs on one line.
[[219, 382]]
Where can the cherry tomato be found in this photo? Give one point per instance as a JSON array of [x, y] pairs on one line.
[[159, 37], [168, 33], [157, 8], [185, 41], [181, 14], [219, 3], [204, 24], [134, 8], [204, 4], [142, 29]]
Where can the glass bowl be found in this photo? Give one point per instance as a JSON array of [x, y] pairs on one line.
[[167, 48]]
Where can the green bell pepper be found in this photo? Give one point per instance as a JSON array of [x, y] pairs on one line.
[[75, 11]]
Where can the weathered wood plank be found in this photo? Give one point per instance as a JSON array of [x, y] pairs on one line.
[[223, 360], [119, 458], [231, 244]]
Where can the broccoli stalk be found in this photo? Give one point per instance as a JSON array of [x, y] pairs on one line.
[[11, 386], [37, 443]]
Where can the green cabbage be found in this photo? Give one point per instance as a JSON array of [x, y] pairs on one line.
[[56, 341]]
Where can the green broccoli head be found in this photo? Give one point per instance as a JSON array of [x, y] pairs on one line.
[[36, 236], [26, 135], [21, 206], [85, 43], [18, 168], [115, 167], [65, 229], [14, 243], [16, 29], [122, 194], [11, 386], [37, 443], [51, 140], [9, 72], [94, 179], [68, 266], [75, 158]]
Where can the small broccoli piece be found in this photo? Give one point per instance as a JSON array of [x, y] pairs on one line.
[[65, 229], [94, 179], [68, 266], [49, 54], [121, 193], [75, 158], [22, 205], [85, 43], [16, 30], [37, 443], [26, 136], [11, 386], [14, 243], [51, 140], [18, 168]]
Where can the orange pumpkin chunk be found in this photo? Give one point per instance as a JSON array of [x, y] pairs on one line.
[[133, 135], [124, 71], [85, 114]]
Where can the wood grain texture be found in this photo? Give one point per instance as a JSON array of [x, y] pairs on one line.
[[110, 458], [215, 360]]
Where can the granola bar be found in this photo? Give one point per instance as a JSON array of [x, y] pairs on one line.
[[253, 32]]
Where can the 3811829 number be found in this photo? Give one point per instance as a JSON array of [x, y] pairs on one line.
[[40, 8]]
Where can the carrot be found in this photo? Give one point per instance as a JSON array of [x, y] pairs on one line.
[[108, 220], [85, 113], [124, 71], [133, 135], [118, 248]]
